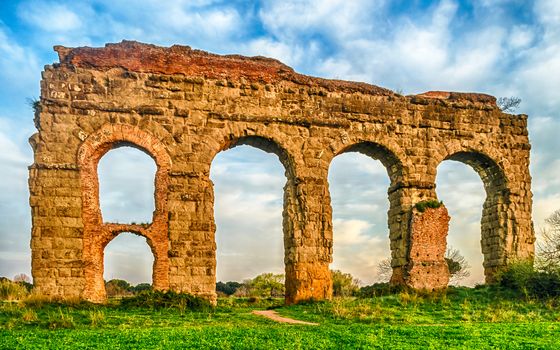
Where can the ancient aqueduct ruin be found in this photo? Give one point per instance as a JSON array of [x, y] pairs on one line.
[[184, 106]]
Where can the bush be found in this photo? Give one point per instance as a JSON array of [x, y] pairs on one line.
[[118, 288], [228, 288], [12, 291], [523, 278], [263, 286], [344, 285], [166, 299], [430, 203], [378, 289]]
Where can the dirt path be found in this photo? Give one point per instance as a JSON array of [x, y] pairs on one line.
[[273, 315]]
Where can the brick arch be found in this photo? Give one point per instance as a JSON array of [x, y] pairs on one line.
[[497, 223], [97, 234]]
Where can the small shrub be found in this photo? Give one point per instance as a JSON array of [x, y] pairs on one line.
[[228, 288], [166, 299], [96, 317], [344, 284], [430, 203], [378, 289], [60, 319], [29, 315], [523, 278], [12, 291]]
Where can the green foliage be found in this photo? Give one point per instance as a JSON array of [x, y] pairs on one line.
[[344, 285], [154, 299], [479, 318], [141, 287], [378, 290], [60, 319], [228, 288], [523, 278], [263, 286], [117, 288], [12, 290], [430, 203]]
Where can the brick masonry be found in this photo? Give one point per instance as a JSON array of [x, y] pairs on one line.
[[184, 106]]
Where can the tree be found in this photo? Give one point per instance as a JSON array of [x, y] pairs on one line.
[[22, 278], [228, 288], [456, 263], [508, 104], [140, 287], [264, 285], [118, 288], [384, 270], [344, 284], [548, 247]]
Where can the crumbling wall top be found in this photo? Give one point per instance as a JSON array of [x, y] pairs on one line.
[[177, 59]]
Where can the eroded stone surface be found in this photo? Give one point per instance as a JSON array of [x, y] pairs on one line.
[[184, 106], [427, 268]]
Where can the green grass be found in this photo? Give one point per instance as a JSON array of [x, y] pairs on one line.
[[462, 318]]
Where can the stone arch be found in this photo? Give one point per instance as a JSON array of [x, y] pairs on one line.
[[497, 221], [397, 215], [97, 234], [390, 158], [292, 207]]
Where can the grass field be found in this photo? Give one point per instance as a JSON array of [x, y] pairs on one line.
[[461, 318]]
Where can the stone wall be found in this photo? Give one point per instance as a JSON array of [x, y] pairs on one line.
[[184, 106]]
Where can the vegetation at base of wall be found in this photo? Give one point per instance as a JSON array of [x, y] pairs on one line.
[[481, 318], [117, 288], [430, 203], [154, 299], [12, 290], [523, 277]]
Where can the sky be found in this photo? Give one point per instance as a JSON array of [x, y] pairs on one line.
[[500, 47]]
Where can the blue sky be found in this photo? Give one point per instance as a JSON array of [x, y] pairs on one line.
[[501, 47]]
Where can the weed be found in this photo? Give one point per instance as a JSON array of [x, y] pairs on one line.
[[96, 317], [29, 315], [60, 319], [166, 299], [430, 203]]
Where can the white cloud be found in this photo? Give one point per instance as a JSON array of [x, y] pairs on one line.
[[126, 186], [19, 66], [358, 249], [128, 257], [50, 16]]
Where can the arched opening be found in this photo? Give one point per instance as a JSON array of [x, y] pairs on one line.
[[126, 185], [474, 201], [248, 206], [361, 180], [128, 258], [97, 231]]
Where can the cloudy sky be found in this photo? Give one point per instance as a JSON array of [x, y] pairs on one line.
[[500, 47]]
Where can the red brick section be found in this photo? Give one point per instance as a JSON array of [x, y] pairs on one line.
[[428, 241], [97, 233]]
